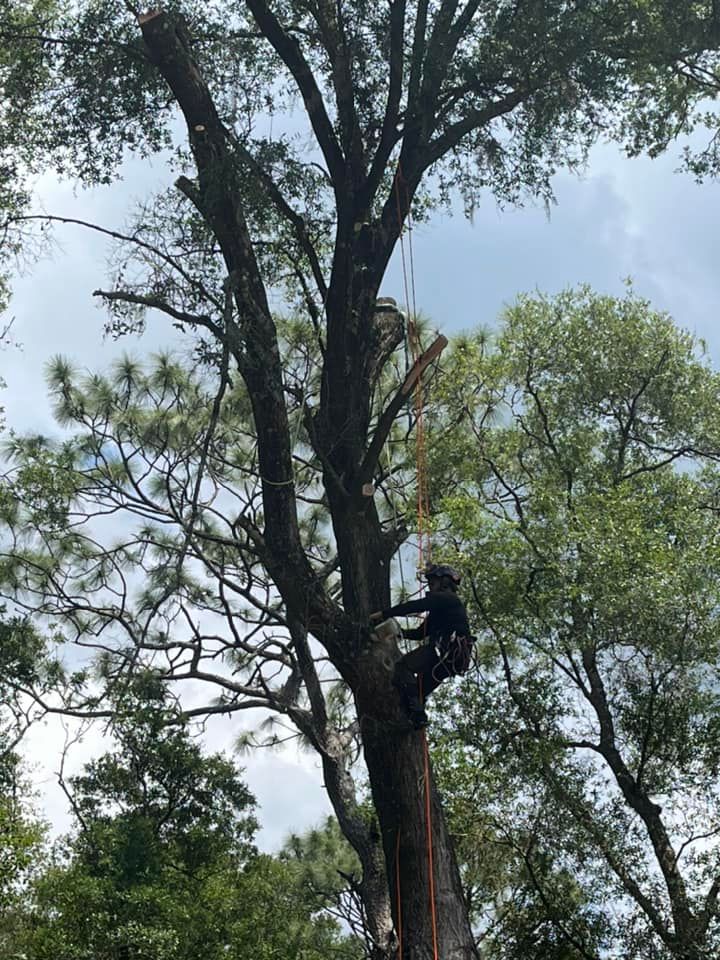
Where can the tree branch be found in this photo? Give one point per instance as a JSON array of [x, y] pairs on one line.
[[637, 798], [390, 134], [710, 906], [416, 57], [473, 120], [284, 208], [388, 416], [438, 52], [219, 190], [157, 303], [288, 49], [572, 803], [127, 238], [329, 18]]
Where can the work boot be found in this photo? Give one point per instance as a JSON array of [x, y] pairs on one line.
[[415, 709], [405, 682]]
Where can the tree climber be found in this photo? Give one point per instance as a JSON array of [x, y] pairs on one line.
[[449, 643]]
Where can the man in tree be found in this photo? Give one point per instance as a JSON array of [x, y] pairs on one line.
[[446, 631], [256, 509]]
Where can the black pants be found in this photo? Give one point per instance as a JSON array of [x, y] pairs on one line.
[[418, 673]]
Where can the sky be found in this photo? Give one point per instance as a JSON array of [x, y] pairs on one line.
[[623, 218]]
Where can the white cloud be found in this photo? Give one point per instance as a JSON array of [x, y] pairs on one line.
[[635, 218]]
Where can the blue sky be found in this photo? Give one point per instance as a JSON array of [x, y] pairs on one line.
[[623, 218], [637, 218]]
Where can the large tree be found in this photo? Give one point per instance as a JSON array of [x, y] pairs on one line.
[[581, 488], [21, 835], [302, 136], [22, 661]]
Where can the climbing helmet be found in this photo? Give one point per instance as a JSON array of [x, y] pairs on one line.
[[439, 570]]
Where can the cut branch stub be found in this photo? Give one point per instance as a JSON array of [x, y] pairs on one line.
[[393, 408], [435, 349]]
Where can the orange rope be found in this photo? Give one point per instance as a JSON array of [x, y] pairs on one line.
[[424, 541], [428, 830], [423, 494]]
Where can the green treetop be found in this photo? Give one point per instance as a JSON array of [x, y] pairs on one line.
[[581, 489]]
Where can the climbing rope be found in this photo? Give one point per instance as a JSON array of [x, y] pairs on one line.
[[398, 897], [428, 831], [408, 271], [393, 507], [423, 495]]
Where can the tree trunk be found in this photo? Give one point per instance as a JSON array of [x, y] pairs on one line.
[[395, 754], [399, 768]]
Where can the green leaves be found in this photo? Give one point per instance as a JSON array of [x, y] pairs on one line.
[[486, 99], [161, 863], [583, 509], [165, 464]]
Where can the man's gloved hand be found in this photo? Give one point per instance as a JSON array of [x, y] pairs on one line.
[[376, 617]]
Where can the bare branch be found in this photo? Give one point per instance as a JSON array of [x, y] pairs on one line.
[[126, 238], [157, 303], [288, 49]]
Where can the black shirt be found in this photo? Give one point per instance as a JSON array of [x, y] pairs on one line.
[[446, 614]]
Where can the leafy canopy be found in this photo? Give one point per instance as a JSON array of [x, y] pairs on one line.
[[581, 488], [486, 95], [161, 864]]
